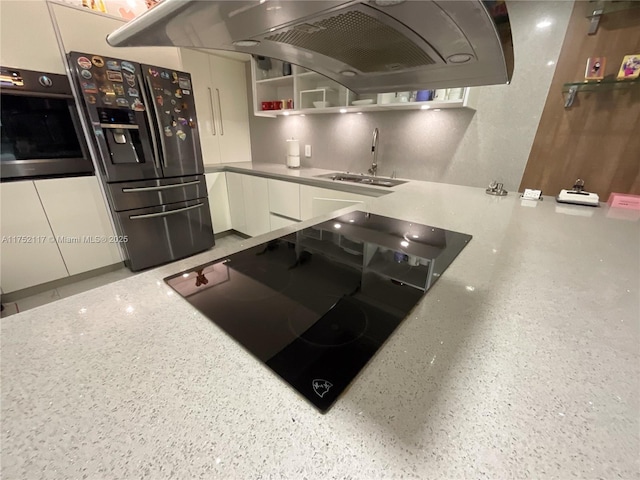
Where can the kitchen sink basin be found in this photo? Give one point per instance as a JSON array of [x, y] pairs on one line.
[[362, 179]]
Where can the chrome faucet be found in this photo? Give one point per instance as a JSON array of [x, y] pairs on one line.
[[374, 153]]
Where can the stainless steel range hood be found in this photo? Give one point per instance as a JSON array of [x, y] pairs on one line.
[[368, 46]]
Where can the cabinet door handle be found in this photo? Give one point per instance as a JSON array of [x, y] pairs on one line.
[[220, 111], [154, 142], [163, 147], [213, 116], [161, 187]]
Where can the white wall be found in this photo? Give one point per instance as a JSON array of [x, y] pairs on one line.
[[452, 146]]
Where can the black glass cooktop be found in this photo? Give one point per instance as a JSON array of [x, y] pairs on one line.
[[317, 304]]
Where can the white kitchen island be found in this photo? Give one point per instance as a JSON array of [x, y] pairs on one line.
[[521, 362]]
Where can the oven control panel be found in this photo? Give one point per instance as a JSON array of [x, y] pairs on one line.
[[34, 83]]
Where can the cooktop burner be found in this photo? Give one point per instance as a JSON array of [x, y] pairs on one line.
[[346, 324], [317, 304]]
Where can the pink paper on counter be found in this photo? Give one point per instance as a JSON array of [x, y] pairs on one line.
[[624, 200]]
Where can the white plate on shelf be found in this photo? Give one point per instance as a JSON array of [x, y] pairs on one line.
[[321, 104], [367, 101]]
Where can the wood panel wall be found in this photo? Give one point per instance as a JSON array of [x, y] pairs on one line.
[[598, 138]]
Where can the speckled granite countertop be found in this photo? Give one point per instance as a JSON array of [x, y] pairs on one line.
[[521, 362]]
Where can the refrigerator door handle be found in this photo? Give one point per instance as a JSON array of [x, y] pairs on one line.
[[162, 187], [164, 214], [213, 115], [160, 131], [154, 142], [220, 112]]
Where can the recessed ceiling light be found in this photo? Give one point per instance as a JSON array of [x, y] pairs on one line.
[[343, 110], [425, 107], [436, 109], [550, 62], [274, 7], [404, 243], [285, 113], [336, 225], [415, 236], [544, 24], [185, 275], [348, 73], [302, 115], [359, 113], [246, 43]]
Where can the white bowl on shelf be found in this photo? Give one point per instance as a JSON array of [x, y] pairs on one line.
[[321, 104], [366, 101]]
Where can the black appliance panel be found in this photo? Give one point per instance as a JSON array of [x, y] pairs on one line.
[[314, 307], [113, 97], [148, 193], [171, 98], [165, 233]]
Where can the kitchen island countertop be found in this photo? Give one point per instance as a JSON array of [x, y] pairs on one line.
[[521, 362]]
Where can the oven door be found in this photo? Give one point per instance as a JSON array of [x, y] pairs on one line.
[[41, 137]]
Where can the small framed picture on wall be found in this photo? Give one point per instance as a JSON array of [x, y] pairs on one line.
[[630, 67], [595, 68]]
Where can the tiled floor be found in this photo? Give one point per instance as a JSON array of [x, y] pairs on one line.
[[52, 295]]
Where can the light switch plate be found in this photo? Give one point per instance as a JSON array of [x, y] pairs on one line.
[[531, 194], [307, 151]]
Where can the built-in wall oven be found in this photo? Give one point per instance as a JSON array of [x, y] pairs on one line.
[[39, 126]]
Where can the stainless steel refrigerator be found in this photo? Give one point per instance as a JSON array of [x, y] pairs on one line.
[[144, 126]]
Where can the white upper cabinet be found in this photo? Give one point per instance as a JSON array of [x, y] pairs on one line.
[[197, 64], [230, 89], [27, 37], [83, 30], [220, 92]]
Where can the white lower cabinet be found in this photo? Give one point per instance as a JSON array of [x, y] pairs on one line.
[[80, 222], [258, 205], [276, 221], [218, 201], [28, 256], [236, 202], [284, 198], [316, 201], [52, 229], [248, 203]]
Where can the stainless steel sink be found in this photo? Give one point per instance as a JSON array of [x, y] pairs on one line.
[[362, 179]]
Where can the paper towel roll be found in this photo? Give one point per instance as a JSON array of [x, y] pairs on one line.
[[293, 147], [293, 161]]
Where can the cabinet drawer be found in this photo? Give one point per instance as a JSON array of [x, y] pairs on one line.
[[277, 222], [284, 198]]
